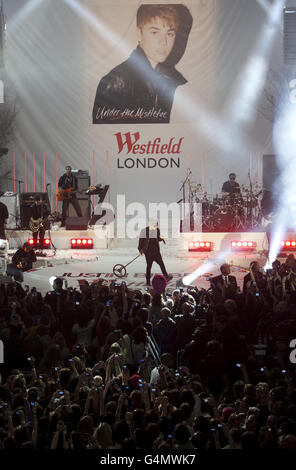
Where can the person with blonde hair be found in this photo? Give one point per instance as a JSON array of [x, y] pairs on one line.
[[103, 436]]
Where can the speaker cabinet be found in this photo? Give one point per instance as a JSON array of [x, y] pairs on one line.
[[83, 182], [271, 172], [76, 223], [27, 201], [290, 36], [85, 208]]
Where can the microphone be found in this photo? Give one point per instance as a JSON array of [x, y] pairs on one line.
[[48, 184]]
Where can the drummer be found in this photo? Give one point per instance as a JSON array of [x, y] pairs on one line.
[[231, 188]]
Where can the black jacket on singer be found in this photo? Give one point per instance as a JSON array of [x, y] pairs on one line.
[[149, 246], [134, 92]]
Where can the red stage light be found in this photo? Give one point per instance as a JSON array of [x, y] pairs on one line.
[[82, 243], [288, 244], [243, 246], [200, 246], [47, 242]]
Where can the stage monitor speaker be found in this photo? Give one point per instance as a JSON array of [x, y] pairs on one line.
[[27, 200], [76, 223], [290, 36], [271, 172], [83, 182], [84, 206]]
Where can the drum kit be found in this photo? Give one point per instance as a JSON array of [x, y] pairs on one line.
[[226, 212]]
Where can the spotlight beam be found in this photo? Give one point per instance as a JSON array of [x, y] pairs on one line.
[[22, 15], [251, 80], [99, 27], [204, 268], [265, 5]]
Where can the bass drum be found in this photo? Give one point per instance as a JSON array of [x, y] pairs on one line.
[[223, 220]]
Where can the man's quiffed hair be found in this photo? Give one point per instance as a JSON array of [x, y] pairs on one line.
[[168, 14]]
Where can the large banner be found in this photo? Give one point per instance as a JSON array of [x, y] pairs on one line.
[[137, 94], [146, 65]]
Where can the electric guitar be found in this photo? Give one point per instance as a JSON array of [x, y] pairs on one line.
[[35, 225], [63, 194]]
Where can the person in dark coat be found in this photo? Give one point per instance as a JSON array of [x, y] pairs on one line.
[[149, 246], [166, 333]]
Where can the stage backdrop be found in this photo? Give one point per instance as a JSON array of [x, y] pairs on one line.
[[57, 56]]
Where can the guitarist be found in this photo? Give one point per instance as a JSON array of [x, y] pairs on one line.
[[22, 261], [38, 215], [67, 181]]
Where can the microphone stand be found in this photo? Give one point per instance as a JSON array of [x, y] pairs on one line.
[[18, 181], [251, 200], [17, 217], [183, 188]]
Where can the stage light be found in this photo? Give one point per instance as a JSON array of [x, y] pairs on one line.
[[200, 246], [47, 242], [3, 245], [82, 243], [288, 245], [52, 279], [243, 245]]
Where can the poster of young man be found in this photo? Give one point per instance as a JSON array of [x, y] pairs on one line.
[[142, 88]]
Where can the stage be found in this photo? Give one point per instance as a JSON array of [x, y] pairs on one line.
[[76, 265]]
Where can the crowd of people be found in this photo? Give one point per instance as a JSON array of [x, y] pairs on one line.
[[79, 369]]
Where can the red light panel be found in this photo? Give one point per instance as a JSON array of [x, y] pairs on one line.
[[47, 242], [200, 246], [243, 245], [288, 244], [82, 243]]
